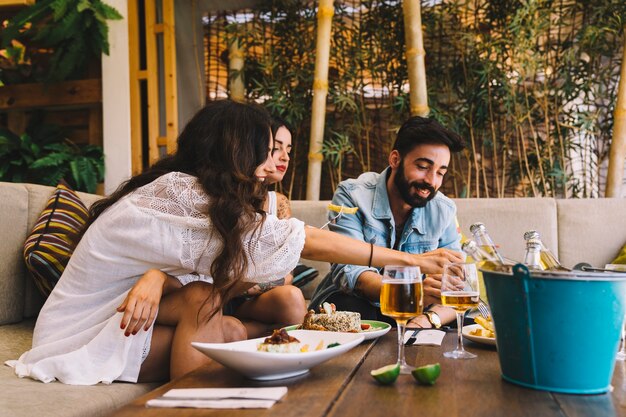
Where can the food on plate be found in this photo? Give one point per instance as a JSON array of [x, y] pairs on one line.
[[342, 209], [331, 320], [427, 374], [486, 328], [387, 374], [280, 342]]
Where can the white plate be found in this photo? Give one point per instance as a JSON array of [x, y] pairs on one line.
[[478, 339], [377, 329], [244, 357]]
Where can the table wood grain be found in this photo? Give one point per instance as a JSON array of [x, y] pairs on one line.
[[309, 395], [342, 387]]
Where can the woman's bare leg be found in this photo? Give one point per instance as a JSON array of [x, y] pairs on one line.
[[276, 307], [186, 312]]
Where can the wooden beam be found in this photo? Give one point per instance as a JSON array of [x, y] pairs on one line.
[[17, 122], [95, 126], [67, 93], [171, 88], [152, 66], [135, 72]]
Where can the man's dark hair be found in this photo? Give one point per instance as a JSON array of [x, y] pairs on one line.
[[423, 130]]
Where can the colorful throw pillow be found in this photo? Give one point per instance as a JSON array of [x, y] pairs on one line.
[[303, 274], [621, 257], [51, 243]]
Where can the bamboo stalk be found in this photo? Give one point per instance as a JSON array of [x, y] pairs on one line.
[[533, 133], [415, 53], [325, 13], [617, 153], [235, 70], [493, 138]]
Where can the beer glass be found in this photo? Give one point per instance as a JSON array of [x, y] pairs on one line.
[[401, 298], [460, 289]]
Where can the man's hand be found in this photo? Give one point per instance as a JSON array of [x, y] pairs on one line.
[[432, 289], [432, 262], [141, 305]]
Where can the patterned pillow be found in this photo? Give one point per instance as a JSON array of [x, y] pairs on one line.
[[51, 243]]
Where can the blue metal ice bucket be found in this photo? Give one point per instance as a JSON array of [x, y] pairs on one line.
[[557, 331]]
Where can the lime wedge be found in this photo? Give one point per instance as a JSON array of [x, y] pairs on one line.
[[427, 374], [387, 374]]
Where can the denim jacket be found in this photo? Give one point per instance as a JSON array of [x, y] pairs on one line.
[[426, 229]]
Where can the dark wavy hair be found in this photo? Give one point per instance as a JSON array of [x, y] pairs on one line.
[[222, 146], [423, 130]]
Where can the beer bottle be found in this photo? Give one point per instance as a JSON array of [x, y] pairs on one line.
[[475, 252], [483, 240], [532, 259], [548, 260]]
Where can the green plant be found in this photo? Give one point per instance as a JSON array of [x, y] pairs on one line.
[[43, 155], [75, 31], [530, 85]]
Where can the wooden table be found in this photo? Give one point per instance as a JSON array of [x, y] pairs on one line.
[[342, 387]]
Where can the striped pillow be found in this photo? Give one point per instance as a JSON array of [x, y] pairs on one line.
[[51, 243]]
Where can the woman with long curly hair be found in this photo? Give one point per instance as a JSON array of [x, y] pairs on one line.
[[197, 211]]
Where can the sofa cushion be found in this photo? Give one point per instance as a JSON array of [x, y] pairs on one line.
[[591, 230], [507, 219], [53, 239], [14, 209], [312, 213], [22, 397]]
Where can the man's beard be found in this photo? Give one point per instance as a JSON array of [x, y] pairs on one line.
[[405, 189]]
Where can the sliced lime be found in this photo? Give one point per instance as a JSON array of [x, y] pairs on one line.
[[387, 374], [427, 374]]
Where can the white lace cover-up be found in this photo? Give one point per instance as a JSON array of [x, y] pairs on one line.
[[77, 338]]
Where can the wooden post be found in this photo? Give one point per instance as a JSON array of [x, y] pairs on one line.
[[171, 90], [617, 154], [325, 13], [235, 70], [415, 57], [152, 69]]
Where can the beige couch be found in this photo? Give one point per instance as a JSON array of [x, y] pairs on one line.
[[577, 230], [590, 230]]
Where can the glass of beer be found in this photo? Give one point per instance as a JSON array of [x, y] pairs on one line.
[[460, 290], [401, 298]]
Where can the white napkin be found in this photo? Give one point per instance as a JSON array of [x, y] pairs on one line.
[[219, 398], [426, 337]]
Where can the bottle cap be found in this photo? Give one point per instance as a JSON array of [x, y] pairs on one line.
[[531, 234], [469, 246], [477, 226]]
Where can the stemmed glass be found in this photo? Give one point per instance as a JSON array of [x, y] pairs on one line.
[[401, 298], [460, 290]]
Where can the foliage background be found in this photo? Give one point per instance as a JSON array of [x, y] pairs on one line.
[[530, 84]]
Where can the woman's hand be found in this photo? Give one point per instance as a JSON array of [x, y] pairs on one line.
[[141, 305], [432, 262]]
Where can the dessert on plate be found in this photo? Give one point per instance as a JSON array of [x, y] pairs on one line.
[[331, 320]]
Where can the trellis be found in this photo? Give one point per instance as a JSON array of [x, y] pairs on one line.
[[530, 85]]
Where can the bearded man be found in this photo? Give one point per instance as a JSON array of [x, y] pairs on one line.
[[400, 208]]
